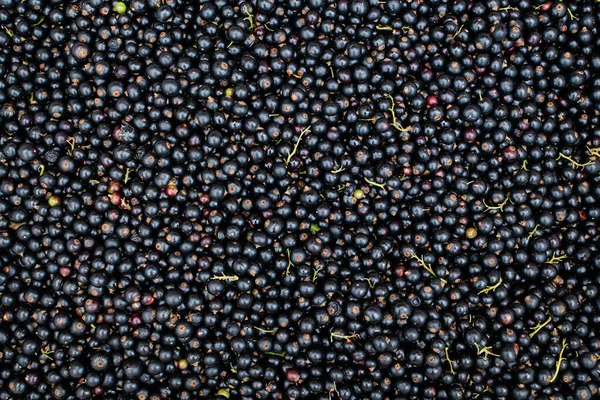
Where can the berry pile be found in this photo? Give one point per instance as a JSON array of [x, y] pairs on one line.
[[299, 199]]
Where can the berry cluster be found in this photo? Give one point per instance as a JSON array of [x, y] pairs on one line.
[[299, 199]]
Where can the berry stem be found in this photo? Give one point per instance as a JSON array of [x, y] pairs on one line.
[[124, 205], [249, 17], [71, 142], [9, 32], [392, 110], [458, 32], [486, 351], [556, 259], [272, 353], [334, 389], [427, 267], [46, 353], [342, 336], [290, 155], [290, 263], [539, 326], [449, 362], [224, 277], [560, 360], [499, 206], [127, 172], [574, 163], [316, 273], [533, 231], [38, 22], [370, 182], [263, 330], [594, 151], [370, 282], [488, 289]]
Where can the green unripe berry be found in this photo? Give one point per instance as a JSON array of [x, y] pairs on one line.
[[182, 364], [358, 194], [471, 233], [54, 201], [120, 7]]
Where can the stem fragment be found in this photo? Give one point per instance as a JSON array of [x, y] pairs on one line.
[[488, 289], [560, 360], [8, 31], [539, 327], [342, 336], [224, 277], [556, 259], [427, 267], [71, 142], [272, 353], [316, 273], [39, 22], [370, 282], [46, 353], [458, 32], [594, 151], [499, 206], [290, 155], [127, 172], [485, 351], [392, 110], [370, 182], [249, 17], [263, 330], [533, 231], [574, 164], [449, 362], [290, 263]]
